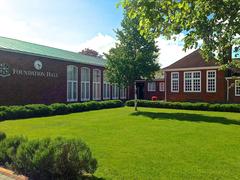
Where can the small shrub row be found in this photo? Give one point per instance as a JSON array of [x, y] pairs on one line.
[[187, 105], [44, 159], [41, 110]]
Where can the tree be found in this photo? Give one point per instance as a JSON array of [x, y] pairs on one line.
[[91, 52], [214, 23], [134, 57]]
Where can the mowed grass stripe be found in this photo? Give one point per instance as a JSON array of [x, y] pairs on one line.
[[150, 144]]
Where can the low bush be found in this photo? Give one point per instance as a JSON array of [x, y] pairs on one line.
[[44, 159], [41, 110], [36, 110], [2, 136], [187, 105], [59, 108], [8, 150]]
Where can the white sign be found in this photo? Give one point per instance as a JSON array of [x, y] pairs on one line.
[[6, 70], [236, 52]]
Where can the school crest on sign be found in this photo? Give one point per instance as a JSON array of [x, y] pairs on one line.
[[4, 70]]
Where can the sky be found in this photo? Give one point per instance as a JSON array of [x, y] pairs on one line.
[[73, 25]]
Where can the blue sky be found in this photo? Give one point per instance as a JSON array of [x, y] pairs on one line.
[[72, 25], [65, 19]]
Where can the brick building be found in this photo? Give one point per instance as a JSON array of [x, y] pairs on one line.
[[31, 73], [193, 79]]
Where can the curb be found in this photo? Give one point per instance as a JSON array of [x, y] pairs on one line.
[[11, 174]]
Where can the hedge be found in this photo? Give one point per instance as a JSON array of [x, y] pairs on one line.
[[41, 110], [187, 105], [47, 158]]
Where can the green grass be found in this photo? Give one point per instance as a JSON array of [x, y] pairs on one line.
[[150, 144]]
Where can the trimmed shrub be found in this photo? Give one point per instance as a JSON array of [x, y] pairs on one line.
[[36, 110], [111, 104], [59, 108], [16, 112], [2, 115], [187, 105], [2, 108], [2, 136], [41, 110], [76, 107]]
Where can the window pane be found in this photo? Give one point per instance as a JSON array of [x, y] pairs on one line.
[[74, 90], [87, 90], [69, 97], [237, 87], [211, 81]]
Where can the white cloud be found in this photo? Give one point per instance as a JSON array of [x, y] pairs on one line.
[[42, 33], [171, 51], [101, 43]]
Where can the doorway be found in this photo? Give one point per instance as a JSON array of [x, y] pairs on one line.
[[140, 90]]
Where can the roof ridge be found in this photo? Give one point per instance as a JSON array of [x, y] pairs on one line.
[[47, 46], [190, 54]]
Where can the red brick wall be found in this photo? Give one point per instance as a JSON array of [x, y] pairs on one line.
[[219, 96], [148, 95], [26, 90], [232, 97]]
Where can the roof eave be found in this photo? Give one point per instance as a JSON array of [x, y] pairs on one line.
[[50, 57]]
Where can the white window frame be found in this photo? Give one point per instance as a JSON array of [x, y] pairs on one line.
[[211, 78], [85, 84], [106, 87], [72, 82], [236, 81], [123, 93], [97, 85], [192, 81], [174, 79], [115, 91], [152, 86], [161, 86]]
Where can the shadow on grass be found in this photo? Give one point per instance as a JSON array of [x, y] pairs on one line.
[[92, 178], [186, 117]]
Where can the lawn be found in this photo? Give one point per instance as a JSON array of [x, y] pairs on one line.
[[150, 144]]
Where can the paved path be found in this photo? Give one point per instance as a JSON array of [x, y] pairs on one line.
[[3, 177], [6, 174]]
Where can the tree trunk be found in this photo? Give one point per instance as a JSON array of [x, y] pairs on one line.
[[135, 96]]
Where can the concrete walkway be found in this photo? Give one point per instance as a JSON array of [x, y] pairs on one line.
[[6, 174], [3, 177]]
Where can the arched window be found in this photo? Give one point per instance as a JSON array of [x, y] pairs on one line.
[[72, 83], [96, 84], [106, 87], [85, 84]]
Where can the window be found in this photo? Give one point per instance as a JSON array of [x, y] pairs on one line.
[[96, 84], [161, 86], [72, 83], [115, 91], [123, 93], [85, 84], [151, 86], [211, 81], [106, 87], [237, 87], [174, 82], [192, 81]]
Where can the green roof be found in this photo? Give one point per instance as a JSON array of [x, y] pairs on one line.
[[13, 45]]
